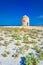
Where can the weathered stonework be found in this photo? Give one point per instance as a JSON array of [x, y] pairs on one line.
[[25, 20]]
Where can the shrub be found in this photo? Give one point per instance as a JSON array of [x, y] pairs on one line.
[[7, 52], [17, 37], [6, 32], [1, 38], [6, 43], [25, 39], [4, 55], [31, 60], [42, 43], [36, 47], [41, 54], [18, 43], [0, 44], [26, 47]]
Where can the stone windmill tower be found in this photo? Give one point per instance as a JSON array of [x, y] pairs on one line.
[[25, 20]]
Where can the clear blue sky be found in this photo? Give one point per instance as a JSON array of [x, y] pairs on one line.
[[11, 11]]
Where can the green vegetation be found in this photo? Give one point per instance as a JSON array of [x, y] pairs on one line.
[[1, 38], [5, 32], [26, 47], [18, 43], [0, 44], [31, 59], [42, 43], [41, 54], [34, 36], [36, 47], [12, 40], [17, 37], [4, 54], [6, 43], [25, 39], [7, 52]]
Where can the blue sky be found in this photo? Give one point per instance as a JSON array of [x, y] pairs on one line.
[[11, 12]]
